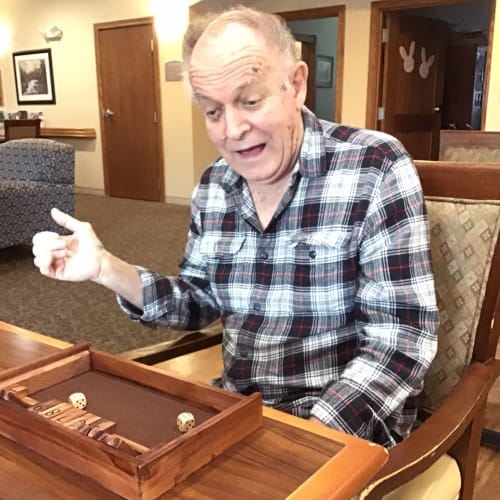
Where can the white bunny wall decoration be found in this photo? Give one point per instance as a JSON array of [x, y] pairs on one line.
[[425, 65], [409, 60]]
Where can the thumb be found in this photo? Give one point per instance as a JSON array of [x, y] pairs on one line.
[[65, 220]]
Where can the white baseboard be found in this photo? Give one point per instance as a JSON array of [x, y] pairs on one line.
[[174, 200], [178, 200], [87, 190]]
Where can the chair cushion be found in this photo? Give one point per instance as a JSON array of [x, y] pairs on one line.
[[440, 481], [463, 238], [475, 154]]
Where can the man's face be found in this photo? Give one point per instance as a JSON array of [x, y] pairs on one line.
[[252, 111]]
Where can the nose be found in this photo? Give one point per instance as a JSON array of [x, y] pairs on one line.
[[235, 123]]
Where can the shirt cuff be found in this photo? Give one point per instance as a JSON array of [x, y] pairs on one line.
[[133, 312]]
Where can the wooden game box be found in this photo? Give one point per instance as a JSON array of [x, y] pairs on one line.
[[126, 439]]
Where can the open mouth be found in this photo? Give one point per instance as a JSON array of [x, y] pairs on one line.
[[251, 152]]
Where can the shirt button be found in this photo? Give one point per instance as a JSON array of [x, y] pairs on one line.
[[263, 255], [312, 254], [256, 306], [243, 352]]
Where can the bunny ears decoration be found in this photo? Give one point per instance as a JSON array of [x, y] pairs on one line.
[[409, 60], [425, 66]]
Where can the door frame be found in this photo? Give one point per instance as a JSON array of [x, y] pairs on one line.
[[157, 90], [308, 45], [378, 9], [337, 11]]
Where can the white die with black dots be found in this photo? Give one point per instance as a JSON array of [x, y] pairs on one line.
[[185, 421], [78, 400]]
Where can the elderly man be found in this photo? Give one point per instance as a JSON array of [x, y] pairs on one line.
[[308, 240]]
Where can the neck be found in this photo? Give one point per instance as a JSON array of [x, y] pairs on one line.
[[267, 197]]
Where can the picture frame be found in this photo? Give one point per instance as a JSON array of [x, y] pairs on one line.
[[34, 77], [324, 71]]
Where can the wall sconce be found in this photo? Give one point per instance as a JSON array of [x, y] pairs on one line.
[[52, 34], [171, 18]]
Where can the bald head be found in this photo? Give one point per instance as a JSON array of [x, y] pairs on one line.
[[268, 28]]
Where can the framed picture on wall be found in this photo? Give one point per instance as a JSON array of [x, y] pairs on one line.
[[324, 71], [34, 77]]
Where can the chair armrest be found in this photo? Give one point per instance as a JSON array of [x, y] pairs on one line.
[[184, 342], [438, 433]]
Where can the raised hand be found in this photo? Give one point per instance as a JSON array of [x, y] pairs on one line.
[[75, 257]]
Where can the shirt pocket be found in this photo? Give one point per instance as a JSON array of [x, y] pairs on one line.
[[324, 271], [221, 253], [221, 247], [321, 246]]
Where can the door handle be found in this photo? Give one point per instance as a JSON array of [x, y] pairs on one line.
[[437, 109], [108, 113]]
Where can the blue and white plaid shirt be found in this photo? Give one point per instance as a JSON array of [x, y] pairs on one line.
[[330, 311]]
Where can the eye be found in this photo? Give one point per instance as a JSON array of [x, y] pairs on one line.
[[212, 114], [251, 103]]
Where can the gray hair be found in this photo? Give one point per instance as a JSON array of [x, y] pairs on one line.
[[270, 26]]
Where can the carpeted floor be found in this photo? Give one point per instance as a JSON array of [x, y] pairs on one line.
[[152, 235], [145, 233]]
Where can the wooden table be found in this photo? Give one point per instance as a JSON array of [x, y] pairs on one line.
[[286, 455]]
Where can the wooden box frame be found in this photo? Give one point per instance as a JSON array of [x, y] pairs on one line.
[[147, 473]]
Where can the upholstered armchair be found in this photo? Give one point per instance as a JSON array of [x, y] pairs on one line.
[[35, 175], [438, 460]]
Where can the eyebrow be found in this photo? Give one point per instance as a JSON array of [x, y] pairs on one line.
[[241, 88]]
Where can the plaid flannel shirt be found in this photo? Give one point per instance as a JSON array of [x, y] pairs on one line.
[[330, 311]]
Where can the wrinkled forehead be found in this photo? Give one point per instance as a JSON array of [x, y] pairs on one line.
[[235, 52], [227, 44]]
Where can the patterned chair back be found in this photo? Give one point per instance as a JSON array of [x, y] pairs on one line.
[[20, 129], [472, 146], [464, 225]]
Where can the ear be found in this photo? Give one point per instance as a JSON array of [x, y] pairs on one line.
[[298, 79]]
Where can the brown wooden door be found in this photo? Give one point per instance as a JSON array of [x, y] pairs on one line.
[[130, 109], [413, 82]]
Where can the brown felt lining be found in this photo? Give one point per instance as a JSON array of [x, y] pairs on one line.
[[144, 415]]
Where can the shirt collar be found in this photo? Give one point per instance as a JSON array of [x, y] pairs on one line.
[[312, 156]]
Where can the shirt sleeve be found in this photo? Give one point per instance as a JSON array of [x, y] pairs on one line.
[[396, 312], [182, 302]]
